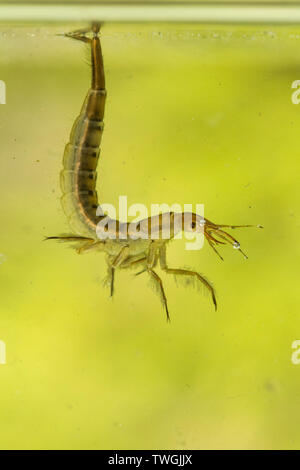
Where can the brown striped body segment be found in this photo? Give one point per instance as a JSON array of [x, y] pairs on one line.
[[81, 155]]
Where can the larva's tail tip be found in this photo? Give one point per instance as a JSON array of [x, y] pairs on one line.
[[96, 27], [260, 226]]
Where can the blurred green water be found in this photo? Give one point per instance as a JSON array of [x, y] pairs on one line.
[[194, 115]]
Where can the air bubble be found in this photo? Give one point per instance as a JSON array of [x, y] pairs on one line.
[[236, 245]]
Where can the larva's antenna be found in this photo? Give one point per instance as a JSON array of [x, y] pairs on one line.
[[240, 226], [215, 249], [237, 246]]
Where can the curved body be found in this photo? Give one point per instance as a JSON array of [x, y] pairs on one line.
[[141, 244]]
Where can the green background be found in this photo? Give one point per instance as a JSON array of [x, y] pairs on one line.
[[194, 115]]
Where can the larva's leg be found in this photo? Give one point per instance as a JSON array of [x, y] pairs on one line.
[[90, 245], [185, 272], [158, 280], [154, 276], [84, 244], [125, 264], [132, 262], [152, 255], [108, 280], [112, 281], [70, 238], [117, 261], [152, 258]]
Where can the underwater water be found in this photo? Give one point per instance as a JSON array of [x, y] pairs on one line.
[[194, 114]]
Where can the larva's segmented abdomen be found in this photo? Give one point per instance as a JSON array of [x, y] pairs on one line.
[[79, 177]]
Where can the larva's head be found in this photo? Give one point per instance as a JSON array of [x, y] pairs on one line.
[[213, 232], [192, 222]]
